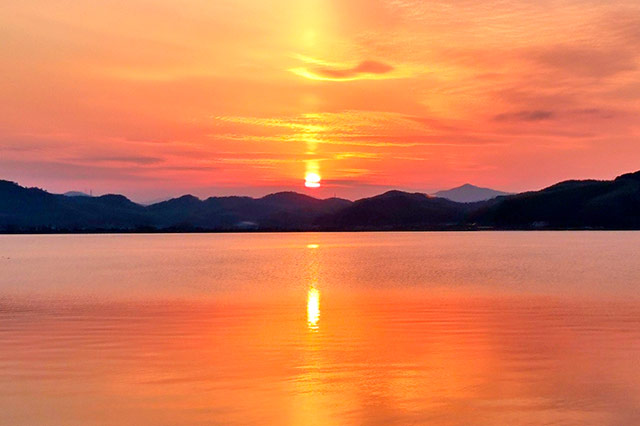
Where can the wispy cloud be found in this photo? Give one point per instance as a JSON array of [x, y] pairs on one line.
[[588, 61], [317, 69], [533, 115], [366, 70], [130, 159], [371, 129]]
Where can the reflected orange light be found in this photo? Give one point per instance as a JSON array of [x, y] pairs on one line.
[[313, 308]]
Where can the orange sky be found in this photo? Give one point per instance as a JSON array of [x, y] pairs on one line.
[[153, 98]]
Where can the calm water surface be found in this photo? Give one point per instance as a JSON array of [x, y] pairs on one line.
[[320, 329]]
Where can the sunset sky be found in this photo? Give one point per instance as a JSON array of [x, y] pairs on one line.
[[156, 98]]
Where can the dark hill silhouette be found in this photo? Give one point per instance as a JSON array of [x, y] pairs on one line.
[[283, 210], [570, 204], [76, 194], [468, 193], [587, 204], [33, 208], [397, 210], [186, 211]]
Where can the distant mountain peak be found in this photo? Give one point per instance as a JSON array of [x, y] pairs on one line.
[[469, 193]]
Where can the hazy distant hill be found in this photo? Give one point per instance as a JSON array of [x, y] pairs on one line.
[[468, 193], [587, 204]]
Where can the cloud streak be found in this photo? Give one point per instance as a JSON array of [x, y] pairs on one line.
[[366, 70], [317, 69], [532, 115], [130, 159]]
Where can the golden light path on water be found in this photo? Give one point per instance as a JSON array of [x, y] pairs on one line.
[[313, 294], [313, 308]]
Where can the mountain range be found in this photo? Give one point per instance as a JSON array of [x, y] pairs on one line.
[[584, 204]]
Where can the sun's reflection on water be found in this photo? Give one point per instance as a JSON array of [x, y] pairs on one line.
[[313, 308], [313, 294]]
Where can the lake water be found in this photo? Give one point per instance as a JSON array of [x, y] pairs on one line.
[[320, 329]]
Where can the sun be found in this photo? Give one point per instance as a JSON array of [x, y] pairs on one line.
[[312, 180]]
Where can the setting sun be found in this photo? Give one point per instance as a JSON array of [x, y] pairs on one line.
[[312, 180]]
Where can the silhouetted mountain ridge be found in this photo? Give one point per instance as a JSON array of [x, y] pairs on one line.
[[468, 193], [572, 204], [633, 176], [396, 210]]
